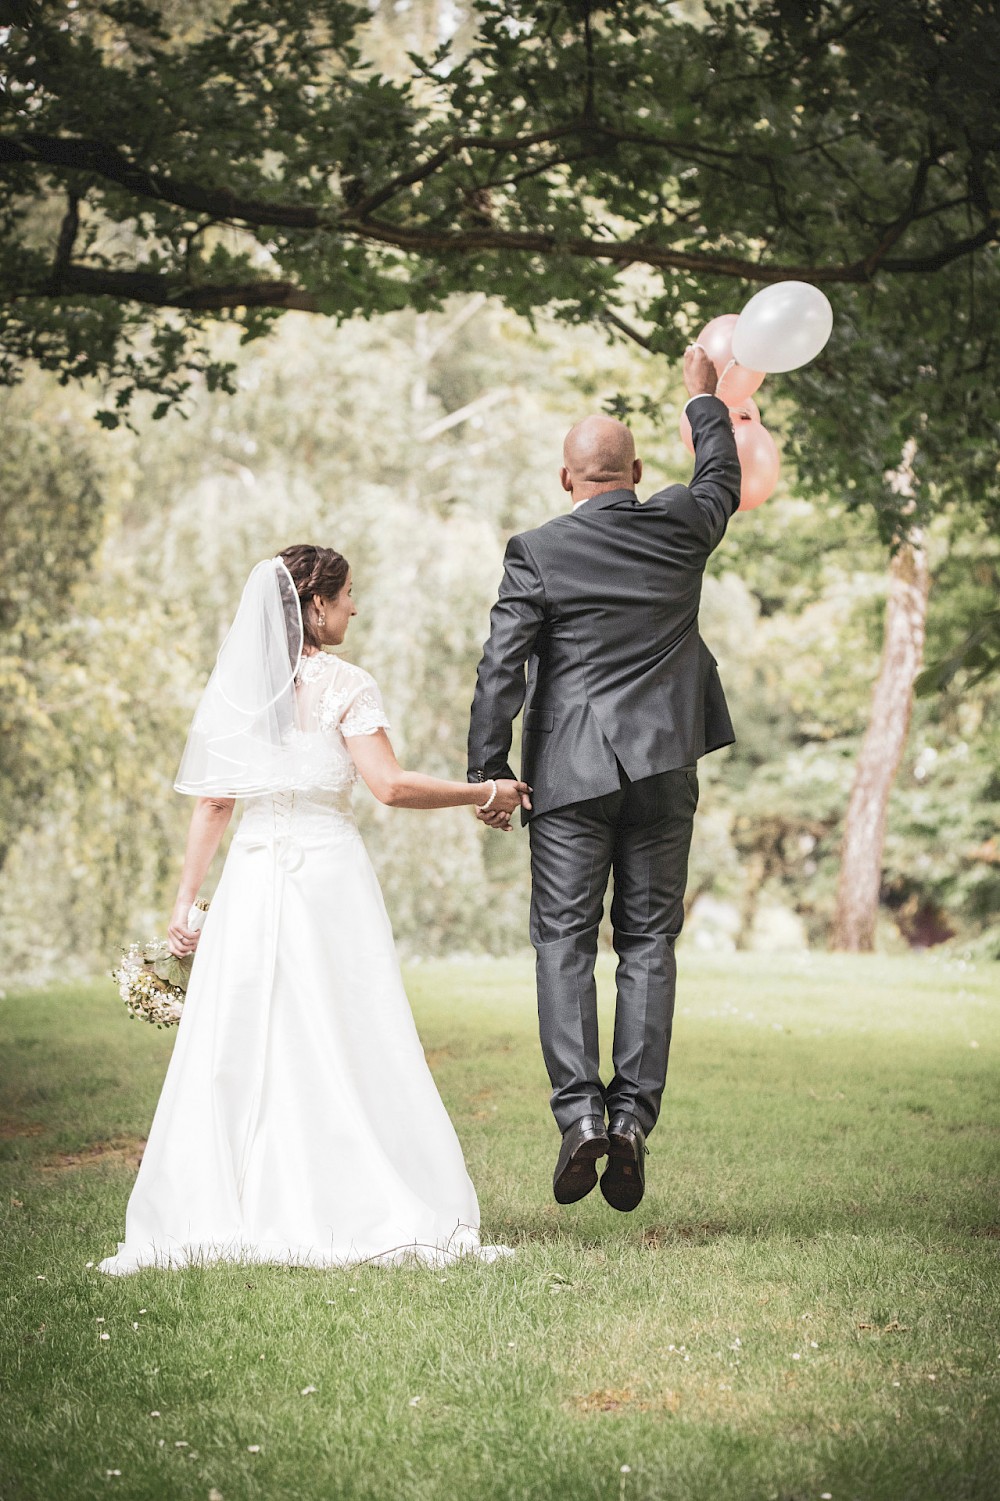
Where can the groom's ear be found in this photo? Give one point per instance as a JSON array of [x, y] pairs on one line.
[[636, 471], [565, 480]]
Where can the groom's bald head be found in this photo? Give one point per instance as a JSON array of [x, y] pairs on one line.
[[598, 455]]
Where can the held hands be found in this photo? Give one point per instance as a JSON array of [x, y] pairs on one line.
[[510, 796], [180, 938]]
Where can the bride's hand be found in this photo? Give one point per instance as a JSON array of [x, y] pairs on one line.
[[511, 796], [181, 940]]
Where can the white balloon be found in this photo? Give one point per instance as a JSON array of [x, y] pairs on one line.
[[782, 327]]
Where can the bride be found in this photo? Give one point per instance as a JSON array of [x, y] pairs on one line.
[[298, 1121]]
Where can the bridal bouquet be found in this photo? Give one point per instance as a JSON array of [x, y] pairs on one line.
[[152, 981]]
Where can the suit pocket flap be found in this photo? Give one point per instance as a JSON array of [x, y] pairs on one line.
[[538, 719]]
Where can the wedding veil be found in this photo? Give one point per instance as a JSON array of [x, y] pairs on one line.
[[239, 738]]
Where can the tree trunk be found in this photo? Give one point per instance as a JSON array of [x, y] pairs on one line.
[[882, 748]]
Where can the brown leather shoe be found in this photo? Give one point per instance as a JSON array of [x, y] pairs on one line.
[[624, 1180], [576, 1173]]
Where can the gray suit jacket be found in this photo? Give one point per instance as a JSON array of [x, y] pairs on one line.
[[602, 605]]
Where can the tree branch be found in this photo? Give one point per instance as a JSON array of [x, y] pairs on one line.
[[158, 290], [68, 231], [895, 231], [626, 328], [221, 204]]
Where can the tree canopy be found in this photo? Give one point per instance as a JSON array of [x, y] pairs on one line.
[[606, 160]]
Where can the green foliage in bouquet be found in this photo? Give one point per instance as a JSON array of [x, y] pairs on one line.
[[166, 966]]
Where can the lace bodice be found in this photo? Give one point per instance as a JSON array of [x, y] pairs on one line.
[[333, 700]]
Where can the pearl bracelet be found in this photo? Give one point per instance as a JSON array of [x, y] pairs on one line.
[[491, 799]]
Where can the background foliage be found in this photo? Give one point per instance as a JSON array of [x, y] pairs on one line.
[[503, 184], [417, 444]]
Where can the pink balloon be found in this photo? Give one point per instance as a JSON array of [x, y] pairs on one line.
[[747, 411], [736, 382], [760, 463]]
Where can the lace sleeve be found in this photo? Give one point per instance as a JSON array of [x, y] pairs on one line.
[[365, 714], [354, 708]]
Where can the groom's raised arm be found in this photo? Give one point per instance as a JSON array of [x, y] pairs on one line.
[[515, 621], [715, 484]]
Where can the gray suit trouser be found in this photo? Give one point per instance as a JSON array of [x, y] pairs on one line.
[[641, 834]]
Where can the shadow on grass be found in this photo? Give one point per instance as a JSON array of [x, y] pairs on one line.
[[545, 1229]]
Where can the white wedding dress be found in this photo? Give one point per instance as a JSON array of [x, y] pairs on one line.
[[298, 1121]]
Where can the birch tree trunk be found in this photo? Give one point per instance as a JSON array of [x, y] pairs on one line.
[[885, 739]]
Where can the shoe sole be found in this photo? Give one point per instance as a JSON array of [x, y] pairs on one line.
[[579, 1175], [622, 1184]]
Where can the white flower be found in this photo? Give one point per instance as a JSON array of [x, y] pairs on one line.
[[104, 1336], [414, 1401], [307, 1391], [112, 1472], [89, 1264], [181, 1443], [625, 1470], [155, 1413], [796, 1356], [253, 1448]]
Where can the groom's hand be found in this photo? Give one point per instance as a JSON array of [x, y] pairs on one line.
[[699, 372], [499, 818], [494, 820]]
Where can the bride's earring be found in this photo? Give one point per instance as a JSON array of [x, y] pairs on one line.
[[321, 621]]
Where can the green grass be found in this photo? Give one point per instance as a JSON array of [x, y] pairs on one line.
[[823, 1185]]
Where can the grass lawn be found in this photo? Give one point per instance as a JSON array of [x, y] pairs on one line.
[[805, 1304]]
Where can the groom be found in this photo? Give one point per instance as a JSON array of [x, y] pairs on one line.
[[622, 698]]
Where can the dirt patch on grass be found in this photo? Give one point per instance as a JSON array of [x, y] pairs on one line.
[[655, 1236], [124, 1149], [12, 1130], [620, 1400]]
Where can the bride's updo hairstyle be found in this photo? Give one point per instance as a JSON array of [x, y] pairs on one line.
[[314, 570]]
